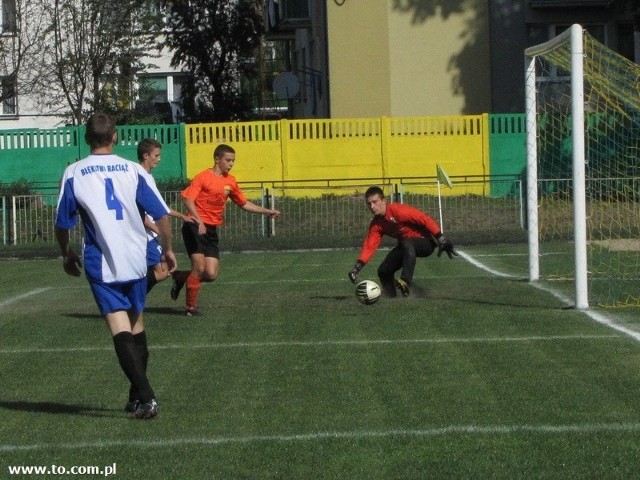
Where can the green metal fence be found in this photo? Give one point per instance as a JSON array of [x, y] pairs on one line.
[[507, 148], [40, 156], [336, 219]]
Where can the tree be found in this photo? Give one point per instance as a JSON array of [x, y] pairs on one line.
[[22, 47], [98, 48], [216, 41]]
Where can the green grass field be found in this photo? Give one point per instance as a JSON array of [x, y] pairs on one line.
[[478, 374]]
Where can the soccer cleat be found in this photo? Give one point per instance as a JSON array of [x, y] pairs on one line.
[[175, 289], [131, 406], [402, 286], [191, 312], [145, 411]]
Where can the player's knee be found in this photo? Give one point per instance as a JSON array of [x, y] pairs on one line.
[[408, 249], [161, 273], [209, 276], [384, 273], [198, 271]]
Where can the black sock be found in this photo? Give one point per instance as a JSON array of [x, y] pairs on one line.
[[132, 365], [140, 341], [151, 278]]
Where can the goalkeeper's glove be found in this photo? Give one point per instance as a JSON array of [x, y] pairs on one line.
[[445, 245], [353, 274]]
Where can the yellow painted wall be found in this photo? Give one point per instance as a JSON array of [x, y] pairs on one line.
[[332, 149], [257, 146], [298, 157], [414, 146], [359, 75], [421, 59]]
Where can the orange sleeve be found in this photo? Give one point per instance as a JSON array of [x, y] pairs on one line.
[[193, 189], [237, 195]]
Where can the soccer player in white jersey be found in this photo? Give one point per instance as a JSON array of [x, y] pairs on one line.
[[110, 195], [149, 151]]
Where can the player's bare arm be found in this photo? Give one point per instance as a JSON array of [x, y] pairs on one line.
[[71, 262], [253, 208], [149, 225], [164, 227], [181, 216], [190, 205]]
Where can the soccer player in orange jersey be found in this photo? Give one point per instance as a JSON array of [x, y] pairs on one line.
[[205, 199], [417, 233]]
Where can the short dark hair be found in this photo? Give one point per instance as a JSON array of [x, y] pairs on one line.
[[222, 149], [147, 145], [100, 130], [375, 190]]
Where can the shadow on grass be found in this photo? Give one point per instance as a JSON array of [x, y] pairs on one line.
[[329, 297], [165, 310], [491, 292], [58, 408], [97, 316], [84, 316]]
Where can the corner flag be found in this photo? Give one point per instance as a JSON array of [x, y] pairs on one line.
[[443, 177]]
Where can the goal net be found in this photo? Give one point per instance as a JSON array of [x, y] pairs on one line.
[[583, 175]]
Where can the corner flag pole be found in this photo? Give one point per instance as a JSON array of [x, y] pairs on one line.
[[441, 177]]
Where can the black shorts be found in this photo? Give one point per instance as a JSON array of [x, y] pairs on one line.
[[206, 244]]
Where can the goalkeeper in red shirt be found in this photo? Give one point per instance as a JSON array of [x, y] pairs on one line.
[[417, 233]]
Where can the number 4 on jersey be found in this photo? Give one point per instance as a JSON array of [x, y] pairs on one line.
[[112, 201]]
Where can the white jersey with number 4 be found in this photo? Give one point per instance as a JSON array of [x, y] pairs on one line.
[[111, 195]]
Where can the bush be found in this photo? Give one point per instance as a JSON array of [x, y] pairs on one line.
[[19, 187], [172, 184]]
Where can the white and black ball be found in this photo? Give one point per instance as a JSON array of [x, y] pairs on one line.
[[368, 292]]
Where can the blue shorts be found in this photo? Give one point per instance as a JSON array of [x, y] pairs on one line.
[[111, 297], [154, 253]]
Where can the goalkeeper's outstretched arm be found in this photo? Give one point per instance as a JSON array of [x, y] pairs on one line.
[[445, 245], [353, 274]]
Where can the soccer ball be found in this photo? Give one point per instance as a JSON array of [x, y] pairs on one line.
[[368, 292]]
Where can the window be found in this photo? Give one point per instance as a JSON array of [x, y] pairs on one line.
[[153, 89], [627, 46], [623, 40], [543, 32], [8, 95], [295, 9], [163, 94], [8, 16], [569, 3]]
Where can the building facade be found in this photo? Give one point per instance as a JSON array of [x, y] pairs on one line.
[[358, 58], [30, 92], [442, 57]]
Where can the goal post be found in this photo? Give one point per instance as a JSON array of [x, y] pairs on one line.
[[583, 122], [574, 37]]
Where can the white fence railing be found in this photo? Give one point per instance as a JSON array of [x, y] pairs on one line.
[[336, 219]]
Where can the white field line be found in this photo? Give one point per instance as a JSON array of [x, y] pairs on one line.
[[595, 316], [224, 281], [17, 298], [327, 343], [353, 435], [482, 266], [459, 430]]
